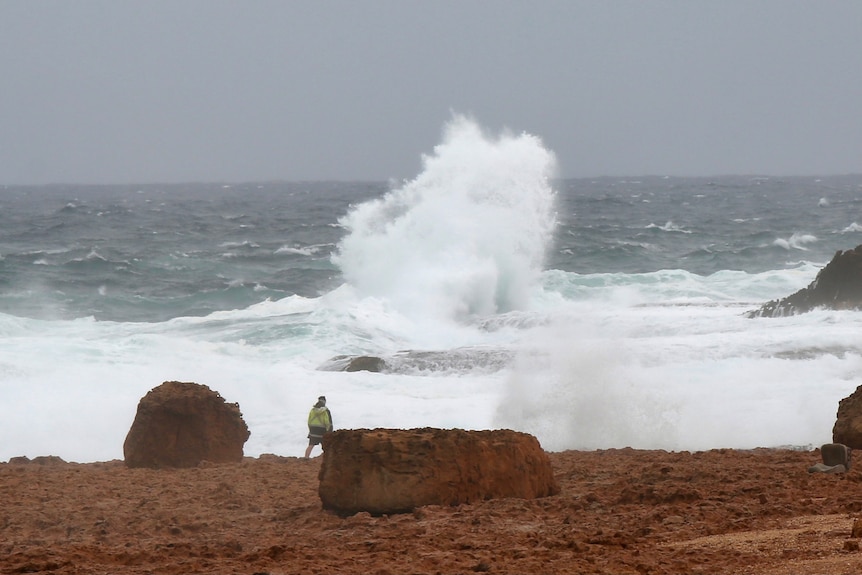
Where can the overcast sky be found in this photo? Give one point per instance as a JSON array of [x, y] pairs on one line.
[[209, 90]]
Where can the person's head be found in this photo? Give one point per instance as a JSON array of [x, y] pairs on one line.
[[321, 401]]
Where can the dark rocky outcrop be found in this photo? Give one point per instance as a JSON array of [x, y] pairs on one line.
[[837, 286], [366, 363], [848, 423], [385, 471], [181, 424]]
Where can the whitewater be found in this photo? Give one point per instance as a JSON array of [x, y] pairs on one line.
[[592, 313]]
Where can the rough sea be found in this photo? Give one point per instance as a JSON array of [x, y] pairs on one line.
[[592, 313]]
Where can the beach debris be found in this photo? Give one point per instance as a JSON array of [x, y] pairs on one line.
[[836, 459], [181, 424], [848, 421], [837, 286], [387, 471]]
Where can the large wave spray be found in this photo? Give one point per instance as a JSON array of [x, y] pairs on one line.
[[466, 237]]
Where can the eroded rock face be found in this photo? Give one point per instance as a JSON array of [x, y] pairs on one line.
[[837, 286], [386, 471], [848, 424], [180, 424]]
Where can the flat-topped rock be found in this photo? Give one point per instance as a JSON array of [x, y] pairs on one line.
[[385, 471]]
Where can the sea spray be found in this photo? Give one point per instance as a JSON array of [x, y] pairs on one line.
[[571, 387], [466, 237]]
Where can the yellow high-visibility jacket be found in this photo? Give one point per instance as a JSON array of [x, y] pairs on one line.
[[320, 417]]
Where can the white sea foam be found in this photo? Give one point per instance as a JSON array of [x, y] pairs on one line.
[[797, 241], [669, 227], [684, 377], [303, 251], [620, 372]]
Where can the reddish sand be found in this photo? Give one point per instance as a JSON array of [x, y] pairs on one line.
[[619, 511]]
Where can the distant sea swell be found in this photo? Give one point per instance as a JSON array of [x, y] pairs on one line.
[[148, 253]]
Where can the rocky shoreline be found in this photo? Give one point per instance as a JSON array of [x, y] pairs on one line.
[[618, 511]]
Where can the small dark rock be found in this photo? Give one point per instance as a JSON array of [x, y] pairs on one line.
[[366, 363]]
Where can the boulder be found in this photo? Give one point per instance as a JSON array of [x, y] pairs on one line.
[[180, 424], [835, 454], [848, 422], [836, 459], [385, 471], [837, 286]]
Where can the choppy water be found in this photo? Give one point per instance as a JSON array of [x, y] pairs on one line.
[[592, 313]]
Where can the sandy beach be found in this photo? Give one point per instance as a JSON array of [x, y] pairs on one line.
[[619, 511]]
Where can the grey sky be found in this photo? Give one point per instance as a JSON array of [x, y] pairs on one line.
[[207, 90]]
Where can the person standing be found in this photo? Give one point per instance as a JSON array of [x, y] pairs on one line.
[[319, 422]]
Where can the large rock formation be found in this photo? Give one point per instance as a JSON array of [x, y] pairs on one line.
[[837, 286], [848, 424], [181, 424], [385, 471]]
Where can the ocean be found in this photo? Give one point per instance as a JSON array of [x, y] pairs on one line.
[[592, 313]]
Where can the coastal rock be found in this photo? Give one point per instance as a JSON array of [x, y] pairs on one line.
[[848, 423], [355, 363], [836, 459], [181, 424], [837, 286], [386, 471], [412, 361], [41, 460], [365, 363], [835, 454]]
